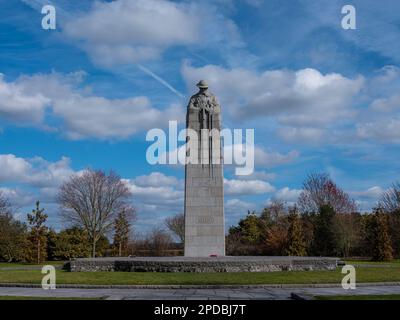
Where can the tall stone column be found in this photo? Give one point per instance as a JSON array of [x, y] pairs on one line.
[[204, 195]]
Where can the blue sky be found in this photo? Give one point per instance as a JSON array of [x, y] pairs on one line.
[[319, 97]]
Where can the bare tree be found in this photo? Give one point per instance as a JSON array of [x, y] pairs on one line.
[[275, 210], [92, 201], [347, 232], [159, 241], [319, 190], [5, 207], [176, 224], [390, 199]]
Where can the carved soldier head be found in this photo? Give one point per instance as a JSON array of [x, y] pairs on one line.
[[202, 85]]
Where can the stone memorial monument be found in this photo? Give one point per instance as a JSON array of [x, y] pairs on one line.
[[204, 211], [204, 195]]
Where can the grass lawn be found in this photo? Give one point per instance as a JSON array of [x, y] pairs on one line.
[[17, 265], [148, 278], [394, 263], [361, 297], [43, 298]]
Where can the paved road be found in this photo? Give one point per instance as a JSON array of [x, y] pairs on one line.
[[194, 294]]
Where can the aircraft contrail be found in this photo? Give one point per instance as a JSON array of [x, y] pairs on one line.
[[160, 80], [38, 4]]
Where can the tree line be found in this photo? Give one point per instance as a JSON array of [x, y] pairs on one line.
[[93, 205], [323, 222], [96, 207]]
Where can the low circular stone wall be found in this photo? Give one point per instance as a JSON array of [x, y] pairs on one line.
[[217, 264]]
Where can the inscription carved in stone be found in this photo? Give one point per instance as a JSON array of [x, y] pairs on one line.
[[205, 219]]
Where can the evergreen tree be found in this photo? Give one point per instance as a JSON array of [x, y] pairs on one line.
[[381, 242], [295, 245], [121, 235], [324, 243], [276, 239], [69, 244], [394, 231], [13, 239], [38, 235], [250, 228], [308, 229]]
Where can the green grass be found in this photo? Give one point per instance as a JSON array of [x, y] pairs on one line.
[[17, 265], [361, 297], [143, 278], [44, 298], [148, 278], [395, 263]]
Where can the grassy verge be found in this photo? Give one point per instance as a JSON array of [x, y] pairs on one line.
[[393, 263], [18, 265], [241, 278], [361, 297]]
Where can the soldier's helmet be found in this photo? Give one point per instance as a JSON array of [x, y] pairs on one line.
[[202, 84]]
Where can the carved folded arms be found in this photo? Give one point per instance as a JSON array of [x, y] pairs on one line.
[[207, 102]]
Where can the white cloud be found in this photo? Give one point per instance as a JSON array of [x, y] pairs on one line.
[[247, 187], [35, 172], [156, 189], [18, 197], [85, 115], [109, 118], [301, 134], [269, 158], [379, 122], [156, 179], [255, 3], [303, 106], [32, 178], [383, 130], [262, 157], [386, 104], [298, 98], [259, 175], [129, 31], [13, 168], [288, 195], [156, 195], [38, 179], [49, 174], [367, 199], [372, 193], [236, 207], [132, 31], [18, 105], [306, 106]]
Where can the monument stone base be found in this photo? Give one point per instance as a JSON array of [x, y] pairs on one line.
[[211, 264]]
